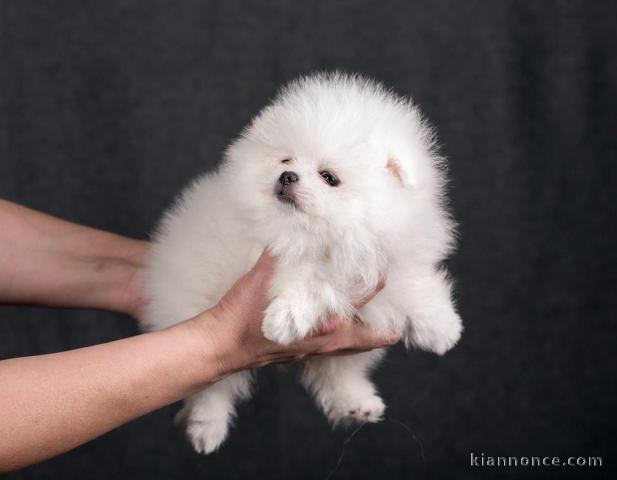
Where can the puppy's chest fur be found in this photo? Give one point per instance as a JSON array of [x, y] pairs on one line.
[[334, 266]]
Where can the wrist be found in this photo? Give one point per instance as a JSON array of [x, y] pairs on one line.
[[126, 293], [215, 347], [117, 275], [104, 283]]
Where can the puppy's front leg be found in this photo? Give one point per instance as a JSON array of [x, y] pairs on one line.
[[302, 299]]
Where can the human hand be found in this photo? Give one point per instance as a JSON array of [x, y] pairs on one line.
[[234, 325]]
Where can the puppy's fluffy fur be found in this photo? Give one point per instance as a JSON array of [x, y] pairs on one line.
[[340, 179]]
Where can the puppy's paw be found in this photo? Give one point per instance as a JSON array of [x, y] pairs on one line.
[[437, 334], [283, 323], [205, 434], [348, 410]]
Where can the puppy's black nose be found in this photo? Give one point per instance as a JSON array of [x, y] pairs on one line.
[[288, 177]]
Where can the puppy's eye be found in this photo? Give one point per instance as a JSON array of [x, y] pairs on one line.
[[286, 160], [330, 178]]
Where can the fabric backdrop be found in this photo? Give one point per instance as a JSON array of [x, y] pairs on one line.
[[108, 108]]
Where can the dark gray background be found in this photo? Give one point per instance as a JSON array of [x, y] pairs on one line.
[[107, 108]]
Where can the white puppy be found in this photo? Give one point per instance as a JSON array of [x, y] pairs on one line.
[[340, 179]]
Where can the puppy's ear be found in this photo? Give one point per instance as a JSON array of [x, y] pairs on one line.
[[403, 168], [406, 154], [395, 169]]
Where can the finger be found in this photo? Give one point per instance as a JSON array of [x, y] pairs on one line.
[[329, 327], [349, 351], [381, 283], [360, 337], [251, 287], [258, 278], [289, 358], [265, 264], [348, 338]]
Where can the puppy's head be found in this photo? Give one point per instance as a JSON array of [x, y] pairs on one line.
[[333, 152]]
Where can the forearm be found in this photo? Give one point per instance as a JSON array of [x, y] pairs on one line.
[[48, 261], [53, 403]]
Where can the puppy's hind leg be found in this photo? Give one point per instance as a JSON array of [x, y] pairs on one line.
[[433, 323], [208, 414], [342, 389]]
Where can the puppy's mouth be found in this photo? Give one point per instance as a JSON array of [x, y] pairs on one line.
[[286, 197]]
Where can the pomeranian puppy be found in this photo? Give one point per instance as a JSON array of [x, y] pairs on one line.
[[340, 179]]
